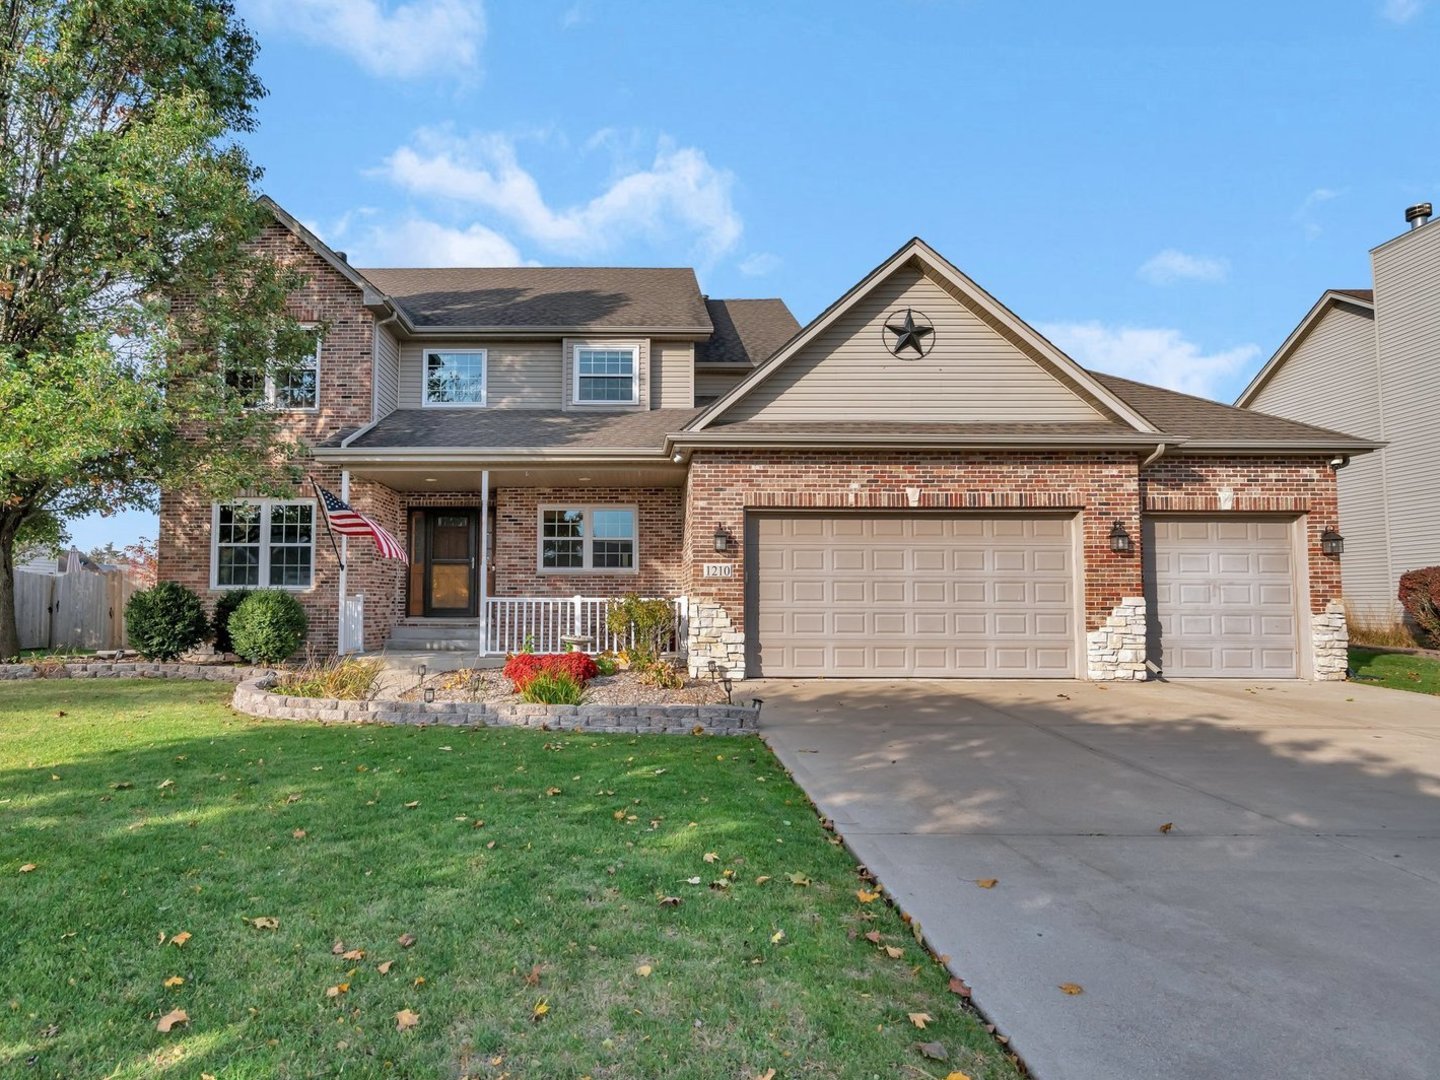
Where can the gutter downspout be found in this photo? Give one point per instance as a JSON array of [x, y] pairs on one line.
[[1158, 453]]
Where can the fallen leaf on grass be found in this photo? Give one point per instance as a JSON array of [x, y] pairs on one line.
[[122, 785], [959, 986], [987, 882], [893, 952], [179, 939], [800, 879], [264, 922], [866, 897], [1167, 826], [406, 1019], [553, 791], [692, 880], [337, 948], [406, 940], [412, 805], [419, 981], [337, 990], [298, 834], [1072, 988], [28, 868], [542, 1007], [768, 1074], [384, 968], [353, 954], [294, 797], [170, 1019], [644, 971], [669, 901], [873, 937], [958, 1076], [711, 856], [174, 980], [477, 824], [762, 879], [161, 787], [934, 1051], [533, 978], [777, 937], [920, 1019]]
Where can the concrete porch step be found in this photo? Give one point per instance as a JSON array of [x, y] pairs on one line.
[[435, 635]]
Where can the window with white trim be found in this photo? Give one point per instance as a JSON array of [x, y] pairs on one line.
[[294, 389], [263, 543], [593, 539], [454, 378], [608, 375]]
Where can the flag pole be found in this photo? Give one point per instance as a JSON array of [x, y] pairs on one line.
[[326, 515]]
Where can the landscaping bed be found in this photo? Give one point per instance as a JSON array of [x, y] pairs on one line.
[[428, 901], [622, 688]]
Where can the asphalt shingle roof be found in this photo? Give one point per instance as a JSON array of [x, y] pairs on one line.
[[746, 331], [523, 429], [547, 297]]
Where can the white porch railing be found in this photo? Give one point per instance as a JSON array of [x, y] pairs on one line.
[[538, 623]]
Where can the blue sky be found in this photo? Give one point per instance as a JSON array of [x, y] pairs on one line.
[[1163, 189]]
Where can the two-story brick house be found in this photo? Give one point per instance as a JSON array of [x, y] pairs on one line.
[[916, 483]]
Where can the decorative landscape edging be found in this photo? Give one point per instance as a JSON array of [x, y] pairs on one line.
[[128, 669], [254, 696]]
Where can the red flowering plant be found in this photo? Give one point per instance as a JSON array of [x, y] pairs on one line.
[[520, 668]]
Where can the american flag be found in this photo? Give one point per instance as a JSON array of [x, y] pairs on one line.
[[348, 522]]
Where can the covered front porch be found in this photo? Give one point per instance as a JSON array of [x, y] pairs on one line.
[[504, 560]]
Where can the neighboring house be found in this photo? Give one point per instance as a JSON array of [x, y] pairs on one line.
[[1368, 362], [916, 483]]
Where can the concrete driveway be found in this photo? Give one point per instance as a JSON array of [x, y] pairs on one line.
[[1287, 926]]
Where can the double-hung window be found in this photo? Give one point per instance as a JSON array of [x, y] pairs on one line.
[[291, 389], [263, 543], [580, 539], [608, 375], [455, 378]]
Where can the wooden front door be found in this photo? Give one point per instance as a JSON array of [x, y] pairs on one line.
[[450, 580]]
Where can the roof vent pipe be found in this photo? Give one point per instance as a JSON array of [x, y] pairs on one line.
[[1418, 214]]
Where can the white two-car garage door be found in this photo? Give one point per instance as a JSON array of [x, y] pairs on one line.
[[1223, 596], [926, 595]]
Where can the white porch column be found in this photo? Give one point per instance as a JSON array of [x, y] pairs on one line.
[[484, 561], [342, 646]]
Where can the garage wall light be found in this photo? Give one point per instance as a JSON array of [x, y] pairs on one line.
[[722, 538], [1120, 541], [1332, 543]]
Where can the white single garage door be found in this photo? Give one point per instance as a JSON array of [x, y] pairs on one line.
[[1223, 597], [883, 595]]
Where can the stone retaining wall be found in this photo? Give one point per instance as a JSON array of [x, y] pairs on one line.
[[254, 697], [130, 669]]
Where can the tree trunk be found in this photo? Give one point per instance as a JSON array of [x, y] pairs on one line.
[[9, 631]]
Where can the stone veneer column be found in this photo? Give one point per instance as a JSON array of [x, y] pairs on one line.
[[1331, 643], [714, 637], [1116, 651]]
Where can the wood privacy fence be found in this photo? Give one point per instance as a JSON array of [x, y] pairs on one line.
[[80, 609]]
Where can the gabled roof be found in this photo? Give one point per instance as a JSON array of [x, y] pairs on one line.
[[746, 331], [1360, 299], [322, 249], [550, 298], [1048, 356], [1201, 424]]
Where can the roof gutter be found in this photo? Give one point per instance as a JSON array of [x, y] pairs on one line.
[[690, 440], [470, 455]]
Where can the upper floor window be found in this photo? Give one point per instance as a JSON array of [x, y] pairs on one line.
[[455, 378], [263, 543], [608, 376], [292, 389]]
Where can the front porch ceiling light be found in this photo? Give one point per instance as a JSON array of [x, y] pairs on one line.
[[1120, 541], [431, 480], [1332, 543], [722, 538]]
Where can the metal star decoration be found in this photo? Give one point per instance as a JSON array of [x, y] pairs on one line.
[[909, 334]]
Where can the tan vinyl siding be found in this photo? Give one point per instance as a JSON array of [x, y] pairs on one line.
[[387, 372], [973, 373], [568, 372], [1339, 352], [714, 384], [518, 374], [672, 375], [1407, 320]]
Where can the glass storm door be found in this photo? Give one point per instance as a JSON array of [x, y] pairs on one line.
[[451, 542]]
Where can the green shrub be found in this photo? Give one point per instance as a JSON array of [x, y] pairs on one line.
[[348, 679], [647, 624], [552, 687], [220, 622], [164, 621], [268, 626], [607, 663]]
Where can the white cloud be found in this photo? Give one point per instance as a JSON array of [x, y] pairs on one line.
[[1305, 212], [417, 241], [1159, 356], [679, 196], [759, 264], [576, 14], [1401, 11], [1169, 266], [407, 40]]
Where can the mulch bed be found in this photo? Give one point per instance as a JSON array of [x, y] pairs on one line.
[[622, 688]]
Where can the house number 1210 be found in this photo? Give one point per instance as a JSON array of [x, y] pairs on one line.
[[719, 569]]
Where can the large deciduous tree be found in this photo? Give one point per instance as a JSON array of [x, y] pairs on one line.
[[136, 316]]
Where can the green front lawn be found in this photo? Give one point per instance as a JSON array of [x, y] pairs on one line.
[[541, 947], [1399, 671]]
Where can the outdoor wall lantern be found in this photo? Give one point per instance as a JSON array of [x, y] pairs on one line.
[[1332, 543], [429, 695], [1120, 541], [722, 539]]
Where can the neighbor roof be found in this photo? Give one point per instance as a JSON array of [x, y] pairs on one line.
[[1206, 425], [521, 429], [746, 331], [547, 297], [1361, 299]]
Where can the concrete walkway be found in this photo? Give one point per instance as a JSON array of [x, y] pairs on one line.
[[1287, 926]]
